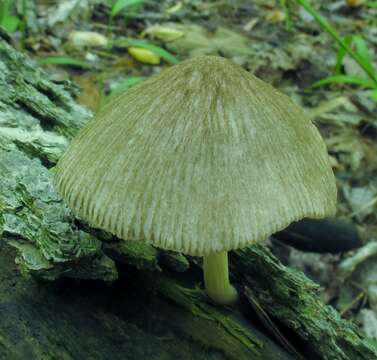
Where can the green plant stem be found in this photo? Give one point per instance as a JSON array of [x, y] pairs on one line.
[[109, 25], [216, 278], [334, 34], [4, 10], [288, 20], [23, 24]]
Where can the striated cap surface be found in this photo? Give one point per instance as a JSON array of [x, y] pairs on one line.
[[203, 157]]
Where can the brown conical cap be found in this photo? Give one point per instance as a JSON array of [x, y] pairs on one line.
[[203, 157]]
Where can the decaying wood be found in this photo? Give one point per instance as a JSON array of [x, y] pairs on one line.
[[155, 309]]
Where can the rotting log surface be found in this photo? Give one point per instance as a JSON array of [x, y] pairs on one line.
[[154, 310]]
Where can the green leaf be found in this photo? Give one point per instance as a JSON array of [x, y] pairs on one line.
[[335, 35], [288, 20], [154, 48], [65, 60], [345, 79], [362, 51], [10, 23], [372, 4], [122, 4], [373, 94], [126, 84], [341, 54], [4, 10]]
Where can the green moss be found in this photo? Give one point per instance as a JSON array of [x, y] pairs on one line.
[[136, 253]]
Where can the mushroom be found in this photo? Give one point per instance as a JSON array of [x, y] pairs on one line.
[[202, 158]]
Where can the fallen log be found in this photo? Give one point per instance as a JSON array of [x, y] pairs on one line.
[[154, 307]]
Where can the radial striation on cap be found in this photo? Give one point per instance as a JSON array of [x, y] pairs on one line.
[[203, 157]]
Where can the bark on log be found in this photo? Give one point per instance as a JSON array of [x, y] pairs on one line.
[[155, 310]]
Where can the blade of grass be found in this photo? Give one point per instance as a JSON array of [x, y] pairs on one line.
[[362, 51], [10, 23], [334, 34], [373, 95], [345, 79], [64, 60], [4, 10], [126, 84], [372, 4], [23, 26], [341, 54], [7, 20], [122, 4], [288, 20]]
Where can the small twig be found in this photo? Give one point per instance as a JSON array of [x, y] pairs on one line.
[[365, 207], [349, 306]]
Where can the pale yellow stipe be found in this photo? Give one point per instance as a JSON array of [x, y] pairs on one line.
[[216, 278]]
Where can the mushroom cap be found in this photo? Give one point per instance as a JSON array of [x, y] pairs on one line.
[[203, 157]]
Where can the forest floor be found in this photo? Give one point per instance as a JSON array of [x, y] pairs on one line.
[[105, 54]]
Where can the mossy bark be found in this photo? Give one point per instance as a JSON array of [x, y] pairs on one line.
[[91, 320], [155, 309]]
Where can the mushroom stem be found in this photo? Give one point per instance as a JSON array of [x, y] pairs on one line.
[[216, 278]]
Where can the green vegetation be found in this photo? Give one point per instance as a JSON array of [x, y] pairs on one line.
[[167, 56], [65, 60], [120, 5], [372, 4], [288, 20], [8, 21], [126, 84], [353, 46]]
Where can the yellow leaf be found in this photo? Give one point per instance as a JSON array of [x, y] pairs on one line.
[[164, 33], [80, 39], [355, 3], [144, 55]]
